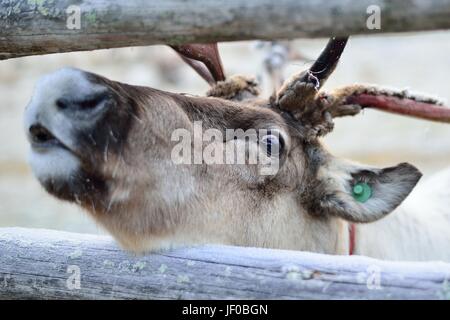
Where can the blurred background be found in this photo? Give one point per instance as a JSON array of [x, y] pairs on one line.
[[420, 62]]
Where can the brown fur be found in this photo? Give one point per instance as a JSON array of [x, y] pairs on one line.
[[147, 202]]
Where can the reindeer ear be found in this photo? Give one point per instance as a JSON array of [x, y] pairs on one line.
[[361, 194]]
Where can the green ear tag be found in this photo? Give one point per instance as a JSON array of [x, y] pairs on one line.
[[362, 192]]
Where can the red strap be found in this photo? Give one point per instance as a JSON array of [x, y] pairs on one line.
[[352, 236]]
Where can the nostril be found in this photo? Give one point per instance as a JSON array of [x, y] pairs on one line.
[[40, 134]]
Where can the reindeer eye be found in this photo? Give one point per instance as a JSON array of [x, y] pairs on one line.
[[273, 144]]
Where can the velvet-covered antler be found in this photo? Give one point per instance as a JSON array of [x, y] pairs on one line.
[[205, 60], [300, 94], [315, 110], [350, 100]]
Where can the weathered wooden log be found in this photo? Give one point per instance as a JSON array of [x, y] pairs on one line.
[[42, 264], [29, 27]]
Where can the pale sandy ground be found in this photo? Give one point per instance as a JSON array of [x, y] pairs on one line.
[[420, 62]]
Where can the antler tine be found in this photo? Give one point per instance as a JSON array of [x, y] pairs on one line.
[[194, 54], [327, 61], [298, 92], [201, 69], [350, 100], [407, 107]]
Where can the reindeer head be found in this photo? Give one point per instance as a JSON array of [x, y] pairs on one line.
[[109, 147]]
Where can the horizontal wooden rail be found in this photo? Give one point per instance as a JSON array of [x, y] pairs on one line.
[[43, 264], [29, 27]]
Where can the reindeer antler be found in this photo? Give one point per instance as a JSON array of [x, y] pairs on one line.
[[300, 96], [204, 59], [298, 92], [350, 100]]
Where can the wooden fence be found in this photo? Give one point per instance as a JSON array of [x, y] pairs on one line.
[[43, 264], [29, 27]]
